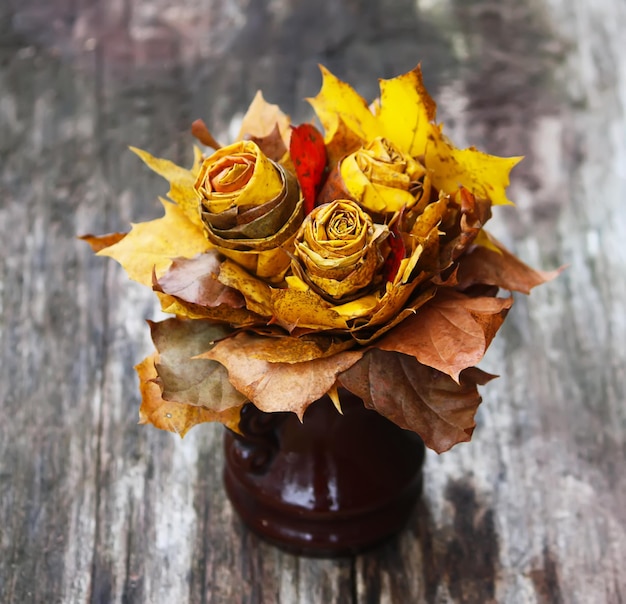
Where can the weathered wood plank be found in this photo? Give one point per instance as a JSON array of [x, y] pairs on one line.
[[95, 508]]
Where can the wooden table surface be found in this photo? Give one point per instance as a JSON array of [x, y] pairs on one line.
[[94, 508]]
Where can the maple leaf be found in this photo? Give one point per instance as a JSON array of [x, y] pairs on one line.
[[282, 386], [450, 333], [150, 246], [261, 119], [406, 111], [404, 114], [308, 154], [485, 176], [173, 416], [181, 183], [185, 378], [343, 142], [417, 397], [338, 101], [272, 144], [241, 317], [495, 265], [194, 280]]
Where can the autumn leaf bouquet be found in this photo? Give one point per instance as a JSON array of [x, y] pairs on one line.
[[296, 264]]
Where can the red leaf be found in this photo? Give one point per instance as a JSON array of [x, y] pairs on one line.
[[308, 154], [396, 254]]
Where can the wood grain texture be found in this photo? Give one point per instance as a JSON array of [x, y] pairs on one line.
[[94, 508]]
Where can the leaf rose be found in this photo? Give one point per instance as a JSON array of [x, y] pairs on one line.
[[383, 179], [250, 207], [337, 250]]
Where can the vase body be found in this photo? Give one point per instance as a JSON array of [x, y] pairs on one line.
[[332, 485]]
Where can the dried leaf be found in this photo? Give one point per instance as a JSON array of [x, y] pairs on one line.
[[181, 184], [100, 242], [406, 112], [201, 132], [501, 268], [239, 317], [396, 254], [289, 349], [278, 386], [416, 397], [171, 416], [194, 280], [308, 154], [182, 376], [150, 246], [450, 333], [343, 142], [272, 144], [305, 309], [485, 176], [261, 119], [338, 101], [256, 292]]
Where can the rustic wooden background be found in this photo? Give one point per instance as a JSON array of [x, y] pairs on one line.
[[94, 508]]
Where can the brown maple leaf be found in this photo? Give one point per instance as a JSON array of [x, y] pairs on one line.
[[417, 397], [450, 333]]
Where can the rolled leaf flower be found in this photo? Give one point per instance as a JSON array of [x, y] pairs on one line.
[[337, 251], [383, 179], [250, 207]]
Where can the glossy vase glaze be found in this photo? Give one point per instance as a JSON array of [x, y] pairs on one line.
[[329, 486]]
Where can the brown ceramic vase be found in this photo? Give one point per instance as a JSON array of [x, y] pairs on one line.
[[332, 485]]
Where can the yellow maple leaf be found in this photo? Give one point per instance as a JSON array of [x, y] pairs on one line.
[[181, 181], [150, 246], [406, 112], [405, 115], [485, 176], [338, 101]]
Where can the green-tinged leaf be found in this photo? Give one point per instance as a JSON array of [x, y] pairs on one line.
[[416, 397], [278, 386], [186, 379], [150, 246], [172, 416]]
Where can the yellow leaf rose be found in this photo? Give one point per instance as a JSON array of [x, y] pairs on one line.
[[250, 208], [383, 179]]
